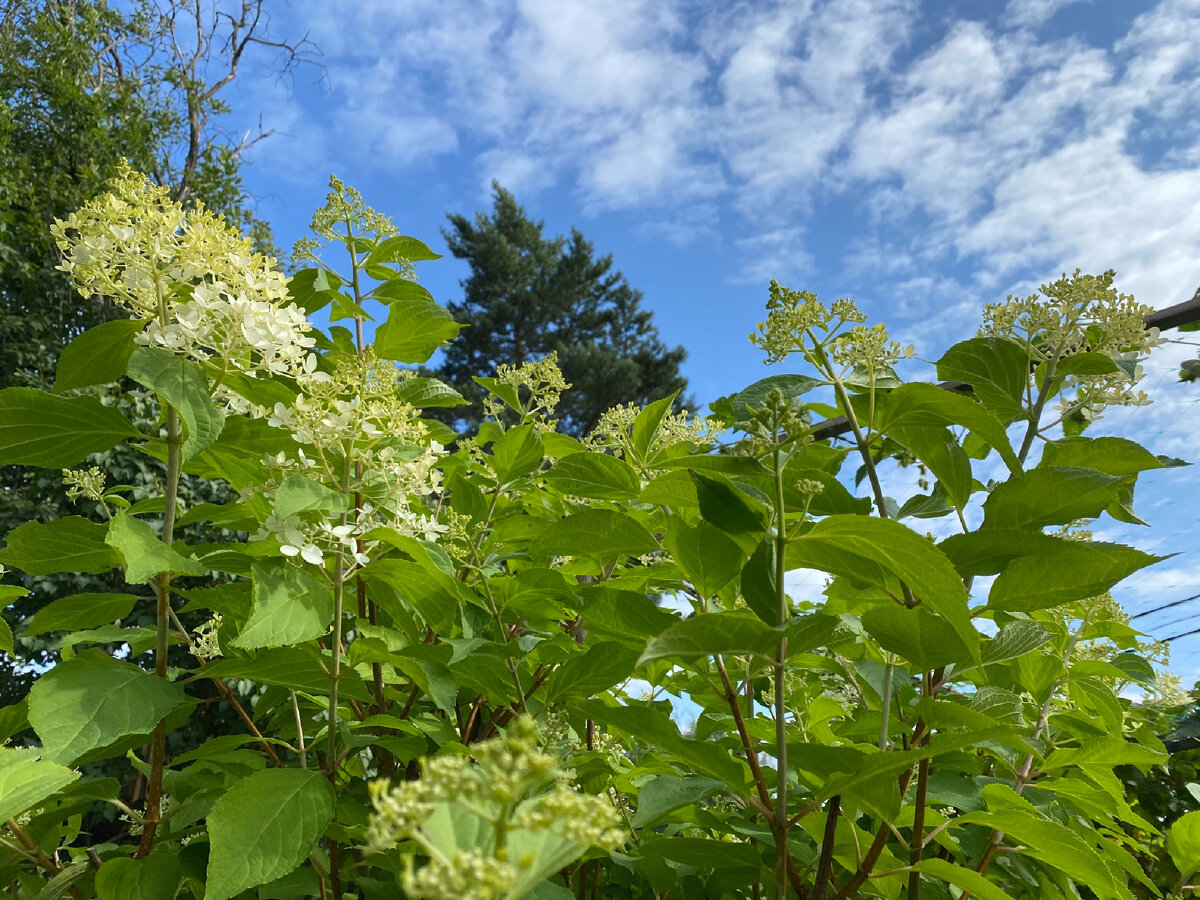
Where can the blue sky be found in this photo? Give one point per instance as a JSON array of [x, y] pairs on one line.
[[922, 158]]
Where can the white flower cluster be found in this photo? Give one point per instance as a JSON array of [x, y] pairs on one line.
[[251, 335], [204, 291], [351, 421]]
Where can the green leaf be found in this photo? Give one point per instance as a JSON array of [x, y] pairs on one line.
[[735, 512], [264, 827], [1183, 842], [1052, 844], [926, 506], [432, 593], [400, 248], [92, 700], [154, 878], [428, 393], [290, 607], [41, 429], [704, 853], [887, 765], [298, 494], [793, 387], [919, 405], [625, 615], [1110, 455], [708, 558], [939, 450], [237, 454], [1103, 753], [599, 533], [1072, 570], [1087, 363], [674, 489], [517, 453], [967, 879], [917, 636], [996, 368], [419, 663], [1015, 639], [401, 289], [313, 289], [594, 475], [79, 611], [13, 719], [414, 330], [656, 728], [6, 638], [98, 356], [1136, 668], [144, 554], [181, 383], [758, 585], [833, 499], [26, 781], [297, 668], [69, 544], [813, 631], [666, 793], [586, 674], [1050, 496], [988, 552], [869, 549], [645, 426], [734, 632]]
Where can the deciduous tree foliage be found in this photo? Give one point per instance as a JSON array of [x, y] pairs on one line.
[[461, 687], [84, 85], [529, 295]]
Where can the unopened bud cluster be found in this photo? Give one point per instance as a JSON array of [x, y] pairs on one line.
[[1081, 314], [87, 483], [614, 429], [537, 386], [509, 784]]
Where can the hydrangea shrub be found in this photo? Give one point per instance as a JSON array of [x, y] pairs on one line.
[[452, 658]]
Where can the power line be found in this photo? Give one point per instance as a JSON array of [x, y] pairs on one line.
[[1157, 609]]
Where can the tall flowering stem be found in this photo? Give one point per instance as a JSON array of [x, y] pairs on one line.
[[162, 625]]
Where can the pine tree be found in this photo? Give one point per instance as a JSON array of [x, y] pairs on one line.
[[528, 296]]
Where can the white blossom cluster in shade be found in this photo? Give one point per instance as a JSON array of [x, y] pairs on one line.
[[199, 284], [355, 437]]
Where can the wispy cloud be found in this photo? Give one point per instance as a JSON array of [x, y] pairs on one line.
[[1018, 151], [1035, 12]]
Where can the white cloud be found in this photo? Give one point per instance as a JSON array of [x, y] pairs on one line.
[[777, 254], [1010, 153], [1034, 13]]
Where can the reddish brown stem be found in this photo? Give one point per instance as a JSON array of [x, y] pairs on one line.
[[735, 707], [42, 859], [825, 864]]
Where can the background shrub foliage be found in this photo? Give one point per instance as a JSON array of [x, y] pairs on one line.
[[449, 671]]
